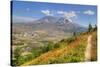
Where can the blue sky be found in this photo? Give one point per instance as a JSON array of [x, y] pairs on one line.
[[30, 11]]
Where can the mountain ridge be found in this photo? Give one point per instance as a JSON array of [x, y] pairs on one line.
[[54, 23]]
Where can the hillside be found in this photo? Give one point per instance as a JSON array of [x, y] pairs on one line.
[[70, 50]]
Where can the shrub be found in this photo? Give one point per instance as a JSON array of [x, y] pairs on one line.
[[16, 56], [37, 52], [47, 47], [57, 45], [69, 40]]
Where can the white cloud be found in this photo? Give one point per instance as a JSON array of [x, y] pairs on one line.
[[61, 12], [89, 12], [47, 12], [69, 14]]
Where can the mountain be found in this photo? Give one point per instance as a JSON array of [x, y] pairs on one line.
[[62, 21], [52, 26], [47, 19], [59, 23], [69, 26]]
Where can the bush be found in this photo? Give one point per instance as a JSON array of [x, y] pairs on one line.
[[37, 52], [16, 56], [57, 45], [69, 40], [47, 47]]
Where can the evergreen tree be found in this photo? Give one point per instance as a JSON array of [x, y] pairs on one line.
[[95, 28], [89, 28], [74, 33]]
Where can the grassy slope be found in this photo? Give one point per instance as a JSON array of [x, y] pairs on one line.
[[72, 52]]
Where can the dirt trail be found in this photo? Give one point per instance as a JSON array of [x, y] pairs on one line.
[[88, 49]]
